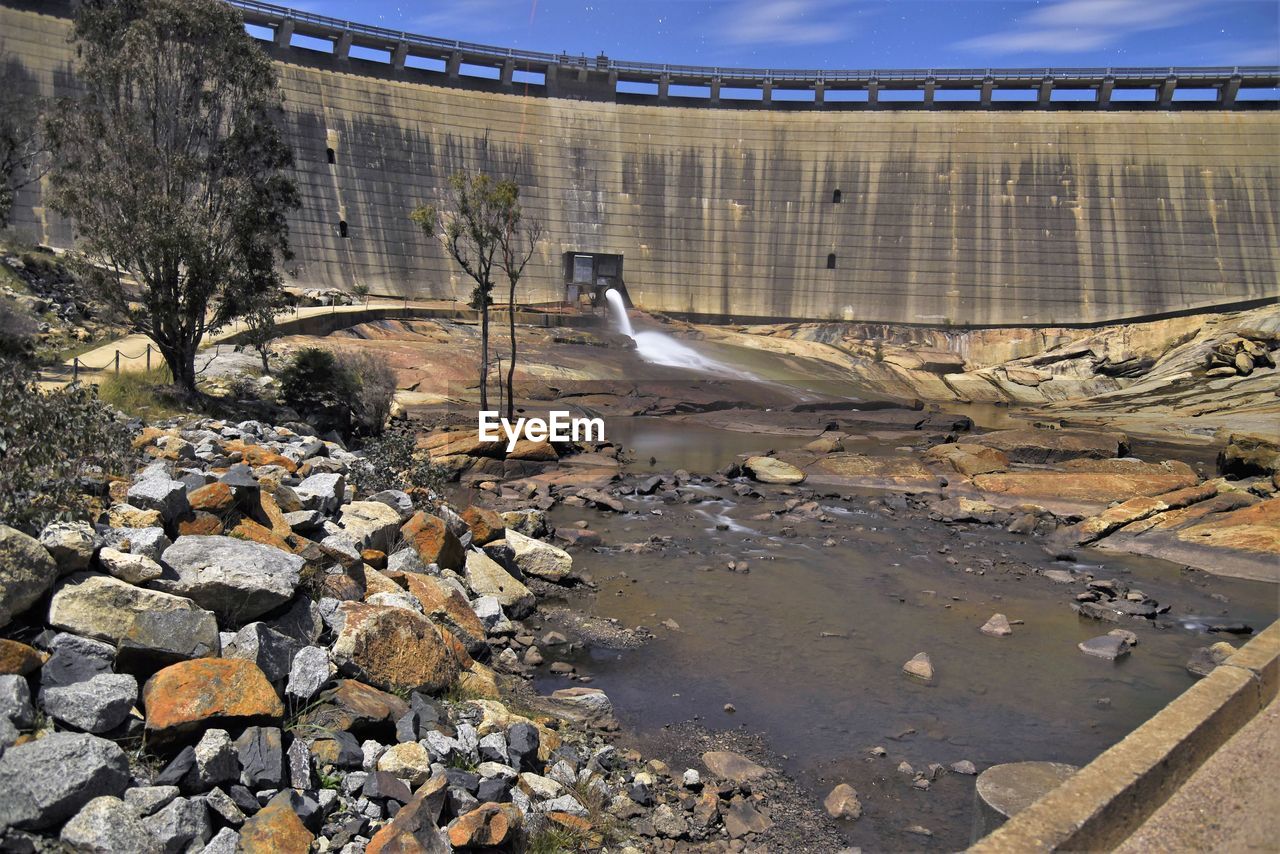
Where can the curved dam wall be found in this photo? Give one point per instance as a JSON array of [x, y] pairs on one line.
[[976, 218]]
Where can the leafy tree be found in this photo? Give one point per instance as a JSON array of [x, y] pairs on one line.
[[320, 388], [56, 448], [171, 165], [518, 238], [260, 322], [375, 382], [20, 138], [469, 225]]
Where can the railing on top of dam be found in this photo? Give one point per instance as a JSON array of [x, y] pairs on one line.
[[605, 79]]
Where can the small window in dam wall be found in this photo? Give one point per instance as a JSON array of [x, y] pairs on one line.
[[342, 228], [831, 258], [835, 197], [330, 155]]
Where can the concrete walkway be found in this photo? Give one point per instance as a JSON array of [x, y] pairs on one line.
[[1231, 803]]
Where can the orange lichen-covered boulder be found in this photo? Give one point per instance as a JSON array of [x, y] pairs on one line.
[[394, 649], [486, 825], [191, 695], [275, 829], [486, 525], [433, 541]]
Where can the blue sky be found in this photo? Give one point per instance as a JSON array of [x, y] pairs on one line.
[[852, 33]]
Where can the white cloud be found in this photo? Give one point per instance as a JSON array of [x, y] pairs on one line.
[[1069, 26], [781, 22]]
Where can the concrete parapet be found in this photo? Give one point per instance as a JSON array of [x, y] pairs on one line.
[[1110, 797]]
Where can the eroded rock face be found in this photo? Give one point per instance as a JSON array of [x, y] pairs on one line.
[[49, 780], [26, 572], [192, 695], [236, 579], [1030, 445], [394, 649]]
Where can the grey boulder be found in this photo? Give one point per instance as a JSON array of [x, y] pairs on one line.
[[168, 497], [107, 825], [49, 780], [96, 705], [26, 573], [71, 544], [236, 579]]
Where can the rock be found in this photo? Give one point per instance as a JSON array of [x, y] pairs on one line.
[[969, 459], [1109, 647], [414, 826], [728, 765], [446, 605], [1032, 445], [75, 659], [487, 578], [531, 522], [669, 823], [97, 705], [843, 802], [372, 524], [99, 606], [771, 470], [49, 780], [964, 766], [741, 818], [487, 825], [70, 544], [217, 762], [277, 828], [433, 541], [272, 651], [15, 702], [156, 639], [260, 753], [919, 666], [18, 658], [128, 516], [26, 573], [409, 761], [191, 695], [323, 492], [485, 525], [310, 670], [215, 497], [587, 703], [145, 800], [166, 497], [534, 557], [128, 567], [236, 579], [997, 627], [108, 825], [148, 542], [394, 649]]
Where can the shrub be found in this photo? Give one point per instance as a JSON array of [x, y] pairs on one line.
[[391, 461], [18, 331], [55, 448], [320, 389], [375, 392]]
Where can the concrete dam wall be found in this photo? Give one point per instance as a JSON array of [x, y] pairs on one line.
[[976, 217]]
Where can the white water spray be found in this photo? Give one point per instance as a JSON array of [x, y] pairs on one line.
[[660, 349]]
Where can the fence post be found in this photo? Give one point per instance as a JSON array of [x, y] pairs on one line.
[[117, 361], [148, 358], [75, 369]]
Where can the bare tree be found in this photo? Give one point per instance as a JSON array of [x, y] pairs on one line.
[[518, 239], [469, 225]]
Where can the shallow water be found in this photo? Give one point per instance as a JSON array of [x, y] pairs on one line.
[[682, 445], [808, 646]]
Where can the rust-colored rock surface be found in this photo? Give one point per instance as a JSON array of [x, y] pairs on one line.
[[486, 525], [394, 649], [275, 829], [191, 695], [433, 540]]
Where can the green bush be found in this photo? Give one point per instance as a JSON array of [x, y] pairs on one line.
[[391, 461], [350, 392], [57, 449], [320, 389]]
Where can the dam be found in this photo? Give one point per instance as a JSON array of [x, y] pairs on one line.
[[977, 212]]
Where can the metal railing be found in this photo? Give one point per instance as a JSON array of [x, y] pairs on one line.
[[392, 38]]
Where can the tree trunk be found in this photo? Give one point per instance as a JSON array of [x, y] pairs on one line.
[[484, 352], [511, 368], [266, 368], [181, 360]]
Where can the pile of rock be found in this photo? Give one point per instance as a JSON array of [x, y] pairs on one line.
[[1239, 356], [243, 654]]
